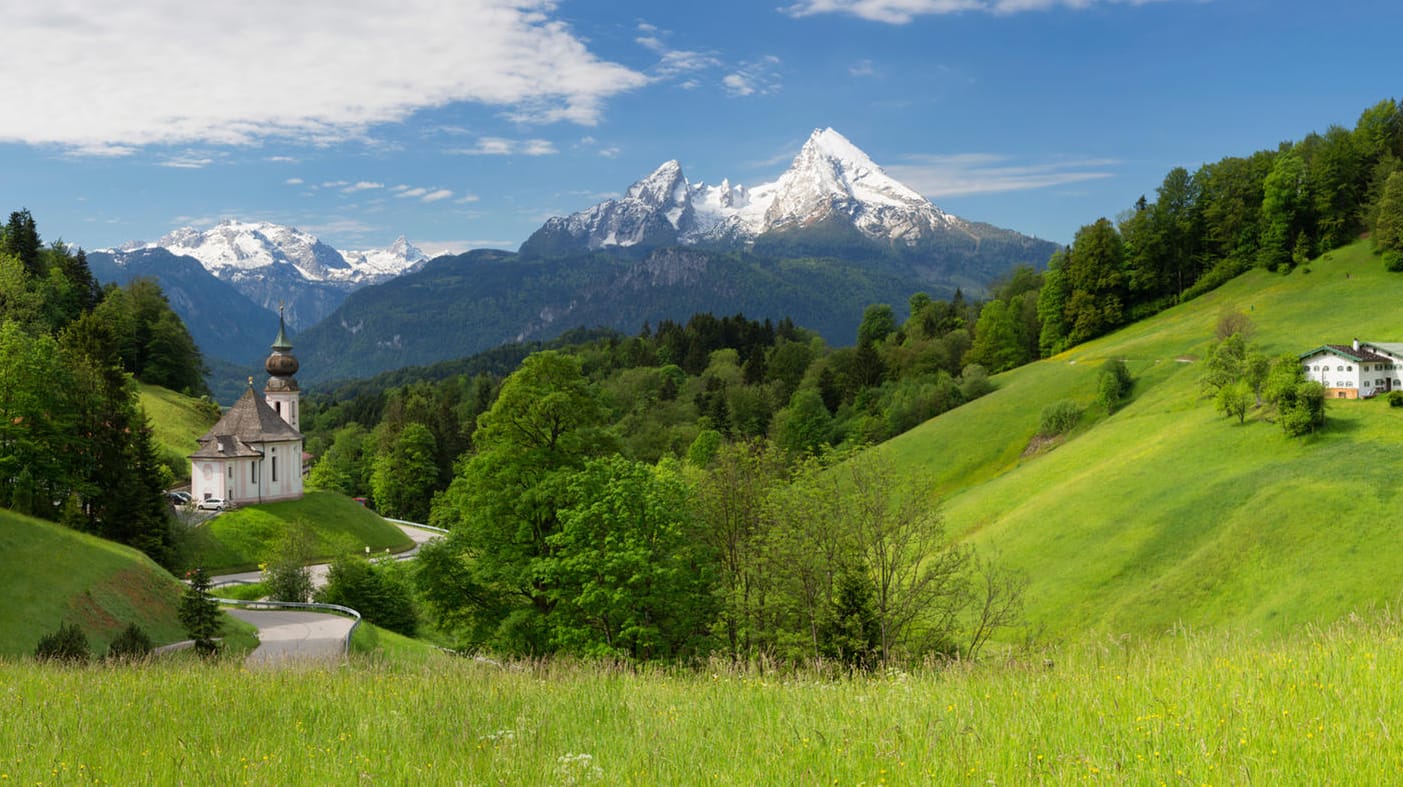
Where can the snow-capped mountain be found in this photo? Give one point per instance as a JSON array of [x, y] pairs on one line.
[[830, 179], [284, 266]]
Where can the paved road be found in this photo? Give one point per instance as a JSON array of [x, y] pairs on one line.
[[319, 570], [287, 635]]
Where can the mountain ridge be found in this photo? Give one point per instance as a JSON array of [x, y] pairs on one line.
[[829, 179]]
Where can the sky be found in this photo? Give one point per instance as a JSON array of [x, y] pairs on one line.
[[468, 124]]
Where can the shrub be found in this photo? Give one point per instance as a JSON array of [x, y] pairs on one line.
[[379, 591], [130, 645], [68, 644], [1395, 398], [1059, 418]]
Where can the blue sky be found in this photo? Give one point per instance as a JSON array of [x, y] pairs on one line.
[[467, 124]]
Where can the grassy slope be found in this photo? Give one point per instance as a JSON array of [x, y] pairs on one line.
[[176, 420], [1167, 512], [54, 575], [1312, 708], [238, 540]]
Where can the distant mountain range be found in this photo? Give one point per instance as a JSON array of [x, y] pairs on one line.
[[275, 265], [831, 235]]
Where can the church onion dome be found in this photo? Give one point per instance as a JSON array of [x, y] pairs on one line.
[[282, 363]]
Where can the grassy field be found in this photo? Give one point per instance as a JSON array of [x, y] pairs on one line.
[[1166, 512], [176, 421], [1315, 707], [237, 540], [54, 575]]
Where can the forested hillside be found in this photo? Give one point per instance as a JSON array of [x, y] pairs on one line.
[[75, 446]]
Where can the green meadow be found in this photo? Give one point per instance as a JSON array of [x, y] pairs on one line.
[[177, 421], [1166, 512], [1317, 706], [238, 540]]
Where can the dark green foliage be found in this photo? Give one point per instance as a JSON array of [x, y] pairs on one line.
[[286, 576], [1113, 383], [131, 644], [625, 571], [199, 613], [1059, 418], [405, 473], [1302, 410], [1388, 220], [21, 240], [382, 592], [1395, 398], [851, 632], [68, 644]]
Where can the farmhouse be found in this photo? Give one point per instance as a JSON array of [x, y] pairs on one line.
[[254, 453], [1356, 371]]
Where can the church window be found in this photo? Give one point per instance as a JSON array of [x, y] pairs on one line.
[[253, 471], [275, 469], [231, 472], [278, 407]]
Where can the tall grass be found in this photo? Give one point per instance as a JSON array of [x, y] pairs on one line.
[[1317, 707]]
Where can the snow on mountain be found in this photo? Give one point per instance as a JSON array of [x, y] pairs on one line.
[[401, 257], [829, 178], [283, 266], [235, 249]]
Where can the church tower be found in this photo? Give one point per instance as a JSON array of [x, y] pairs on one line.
[[281, 392]]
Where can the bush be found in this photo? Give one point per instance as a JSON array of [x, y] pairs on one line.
[[130, 645], [68, 644], [1059, 418], [1395, 398], [379, 591]]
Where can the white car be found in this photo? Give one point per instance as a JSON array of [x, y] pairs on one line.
[[212, 504]]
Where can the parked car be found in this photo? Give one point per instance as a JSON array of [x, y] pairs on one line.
[[179, 498], [212, 504]]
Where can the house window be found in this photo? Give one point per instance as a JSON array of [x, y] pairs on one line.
[[231, 472], [1339, 368], [275, 469], [253, 471]]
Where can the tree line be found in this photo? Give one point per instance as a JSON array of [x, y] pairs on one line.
[[75, 445], [1275, 209]]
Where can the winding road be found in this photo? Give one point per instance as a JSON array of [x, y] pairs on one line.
[[286, 635]]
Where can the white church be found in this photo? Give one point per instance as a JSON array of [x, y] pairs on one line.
[[254, 453]]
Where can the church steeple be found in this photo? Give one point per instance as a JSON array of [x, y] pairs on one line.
[[281, 391]]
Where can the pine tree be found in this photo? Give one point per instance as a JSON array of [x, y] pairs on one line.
[[199, 613]]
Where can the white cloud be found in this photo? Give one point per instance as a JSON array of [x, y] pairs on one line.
[[148, 72], [501, 146], [900, 12], [862, 68], [963, 174], [187, 160], [435, 196], [293, 181], [759, 77], [466, 199], [407, 192], [363, 185]]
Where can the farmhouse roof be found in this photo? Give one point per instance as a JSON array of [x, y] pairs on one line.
[[1392, 348], [1347, 351]]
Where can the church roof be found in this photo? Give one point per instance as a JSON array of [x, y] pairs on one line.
[[250, 421]]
